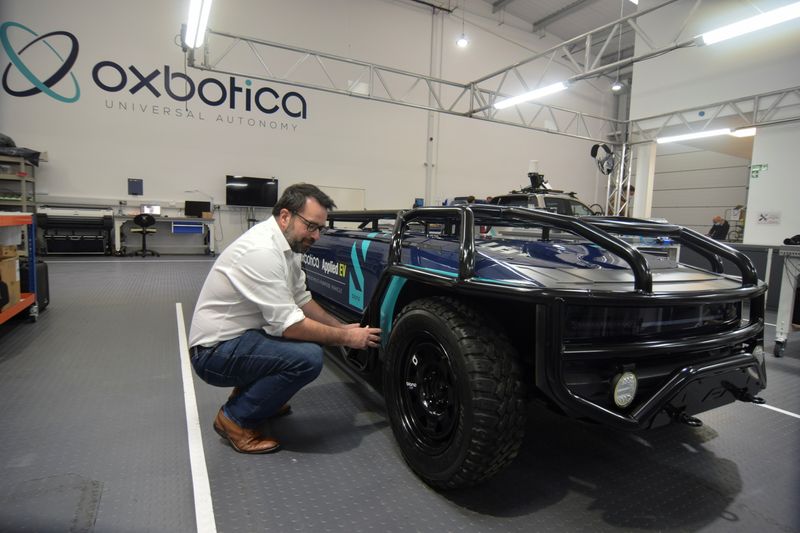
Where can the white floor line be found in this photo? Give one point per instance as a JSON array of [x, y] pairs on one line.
[[789, 413], [203, 506]]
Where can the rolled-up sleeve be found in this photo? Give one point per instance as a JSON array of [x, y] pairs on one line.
[[267, 279]]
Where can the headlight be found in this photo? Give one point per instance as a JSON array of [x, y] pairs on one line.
[[624, 389]]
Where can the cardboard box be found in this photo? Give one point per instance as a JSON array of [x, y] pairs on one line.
[[9, 269], [9, 274], [208, 215], [8, 250]]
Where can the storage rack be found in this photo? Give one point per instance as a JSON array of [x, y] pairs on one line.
[[27, 299], [17, 184]]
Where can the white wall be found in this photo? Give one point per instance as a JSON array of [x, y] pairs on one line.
[[757, 63], [94, 146], [772, 212], [693, 185]]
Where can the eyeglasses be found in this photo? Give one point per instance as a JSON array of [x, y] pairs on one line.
[[311, 226]]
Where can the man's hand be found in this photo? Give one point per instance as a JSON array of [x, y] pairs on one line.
[[335, 334], [362, 338]]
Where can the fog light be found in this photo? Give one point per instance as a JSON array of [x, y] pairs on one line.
[[758, 353], [624, 389]]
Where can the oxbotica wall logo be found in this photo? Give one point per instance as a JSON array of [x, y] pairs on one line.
[[37, 85], [30, 54]]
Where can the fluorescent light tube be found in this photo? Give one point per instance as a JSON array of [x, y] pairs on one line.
[[695, 135], [744, 132], [531, 95], [758, 22], [199, 11]]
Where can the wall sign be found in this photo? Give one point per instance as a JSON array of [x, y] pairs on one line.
[[756, 170], [772, 218]]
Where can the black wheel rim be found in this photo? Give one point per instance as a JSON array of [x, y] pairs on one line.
[[427, 394]]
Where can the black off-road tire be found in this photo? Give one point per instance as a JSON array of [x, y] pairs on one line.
[[453, 393]]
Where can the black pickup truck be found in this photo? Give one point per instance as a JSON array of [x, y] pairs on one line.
[[595, 316]]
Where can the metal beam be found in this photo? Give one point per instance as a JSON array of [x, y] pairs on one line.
[[584, 38], [500, 4], [559, 14], [766, 109], [276, 62], [289, 65], [435, 7]]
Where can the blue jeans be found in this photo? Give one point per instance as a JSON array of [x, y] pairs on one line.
[[269, 370]]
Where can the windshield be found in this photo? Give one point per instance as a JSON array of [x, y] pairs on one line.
[[579, 209]]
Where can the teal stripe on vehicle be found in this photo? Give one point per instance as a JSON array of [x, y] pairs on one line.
[[356, 290], [434, 270], [356, 295], [365, 244], [387, 306]]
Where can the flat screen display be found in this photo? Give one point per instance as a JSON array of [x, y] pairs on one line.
[[195, 209], [151, 209], [251, 192]]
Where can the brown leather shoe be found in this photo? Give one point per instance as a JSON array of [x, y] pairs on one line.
[[283, 410], [243, 440]]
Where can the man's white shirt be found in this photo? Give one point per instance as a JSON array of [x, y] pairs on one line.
[[256, 283]]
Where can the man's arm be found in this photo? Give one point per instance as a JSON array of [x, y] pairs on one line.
[[314, 311], [321, 327]]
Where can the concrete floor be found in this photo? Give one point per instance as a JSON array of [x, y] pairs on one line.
[[94, 438]]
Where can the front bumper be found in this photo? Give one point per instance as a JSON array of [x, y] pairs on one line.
[[681, 377]]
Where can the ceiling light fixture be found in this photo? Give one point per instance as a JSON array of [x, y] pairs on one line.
[[741, 132], [462, 41], [617, 85], [744, 132], [199, 11], [695, 135], [758, 22], [531, 95]]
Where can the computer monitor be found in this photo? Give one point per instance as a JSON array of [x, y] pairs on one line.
[[251, 192], [196, 209], [151, 209]]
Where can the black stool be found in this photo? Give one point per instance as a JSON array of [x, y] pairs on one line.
[[144, 221]]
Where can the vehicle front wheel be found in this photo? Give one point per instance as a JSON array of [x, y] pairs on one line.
[[453, 393]]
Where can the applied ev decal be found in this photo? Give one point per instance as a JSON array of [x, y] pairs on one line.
[[116, 79]]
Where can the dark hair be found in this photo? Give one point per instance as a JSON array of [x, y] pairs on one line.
[[294, 198]]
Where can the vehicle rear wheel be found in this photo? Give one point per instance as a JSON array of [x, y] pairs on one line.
[[453, 393]]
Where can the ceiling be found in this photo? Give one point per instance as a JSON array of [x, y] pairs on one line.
[[566, 19]]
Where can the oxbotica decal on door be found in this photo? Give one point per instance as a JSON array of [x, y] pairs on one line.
[[346, 274]]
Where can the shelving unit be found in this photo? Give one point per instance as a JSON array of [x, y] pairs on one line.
[[17, 184], [17, 187], [27, 299]]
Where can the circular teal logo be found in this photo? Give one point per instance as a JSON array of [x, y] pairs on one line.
[[39, 86]]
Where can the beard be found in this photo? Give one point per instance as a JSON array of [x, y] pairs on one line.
[[298, 245], [301, 246]]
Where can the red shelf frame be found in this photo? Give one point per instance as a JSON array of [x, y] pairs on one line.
[[27, 299]]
